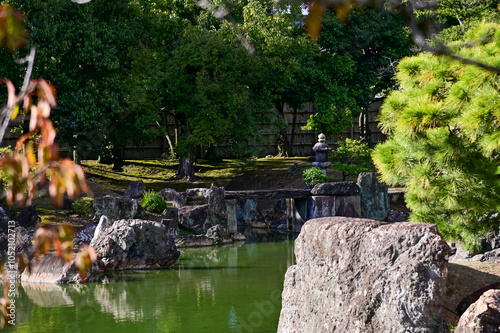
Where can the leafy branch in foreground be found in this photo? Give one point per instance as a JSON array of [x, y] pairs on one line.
[[35, 159]]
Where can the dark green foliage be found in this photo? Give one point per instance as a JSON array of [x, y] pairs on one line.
[[313, 176], [444, 138], [154, 202], [294, 69], [373, 40], [102, 58], [455, 17], [351, 158], [208, 84], [83, 206]]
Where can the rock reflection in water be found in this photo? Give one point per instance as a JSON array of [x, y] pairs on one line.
[[47, 294]]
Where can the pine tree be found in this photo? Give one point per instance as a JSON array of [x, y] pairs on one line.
[[444, 138]]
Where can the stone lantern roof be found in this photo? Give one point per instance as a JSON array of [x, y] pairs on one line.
[[321, 145]]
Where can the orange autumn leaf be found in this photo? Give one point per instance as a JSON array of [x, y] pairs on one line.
[[314, 19]]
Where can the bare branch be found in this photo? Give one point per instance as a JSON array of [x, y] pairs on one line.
[[6, 111]]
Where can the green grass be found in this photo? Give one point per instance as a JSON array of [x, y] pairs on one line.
[[161, 174]]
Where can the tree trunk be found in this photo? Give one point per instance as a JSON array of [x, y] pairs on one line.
[[186, 163], [117, 154], [364, 127], [283, 144], [186, 169], [292, 139]]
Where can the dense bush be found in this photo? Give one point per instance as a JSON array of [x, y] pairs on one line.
[[313, 176], [154, 202], [83, 206]]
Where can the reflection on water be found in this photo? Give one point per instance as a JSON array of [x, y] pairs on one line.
[[223, 289], [47, 294]]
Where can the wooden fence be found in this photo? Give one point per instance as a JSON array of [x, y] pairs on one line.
[[304, 140]]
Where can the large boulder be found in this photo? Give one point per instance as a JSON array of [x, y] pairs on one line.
[[338, 188], [174, 198], [197, 196], [232, 221], [135, 189], [217, 209], [374, 197], [194, 218], [134, 244], [116, 208], [361, 275], [483, 316], [23, 244], [470, 299]]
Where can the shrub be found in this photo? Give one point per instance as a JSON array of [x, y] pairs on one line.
[[83, 206], [351, 158], [154, 202], [313, 176]]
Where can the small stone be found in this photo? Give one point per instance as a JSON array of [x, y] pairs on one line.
[[218, 233], [194, 241], [397, 216], [135, 189], [238, 237], [28, 217]]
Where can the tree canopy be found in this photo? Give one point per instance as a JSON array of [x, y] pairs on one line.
[[94, 55], [444, 138], [208, 88], [371, 42], [296, 71]]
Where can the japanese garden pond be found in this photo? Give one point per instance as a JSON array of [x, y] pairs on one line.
[[234, 288]]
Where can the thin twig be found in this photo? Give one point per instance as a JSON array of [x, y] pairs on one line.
[[7, 110]]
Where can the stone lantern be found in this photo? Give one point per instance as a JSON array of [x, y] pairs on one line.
[[322, 149]]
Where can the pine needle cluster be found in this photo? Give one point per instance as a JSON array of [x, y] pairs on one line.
[[444, 138]]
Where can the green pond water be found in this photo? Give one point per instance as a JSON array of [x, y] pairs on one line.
[[224, 289]]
